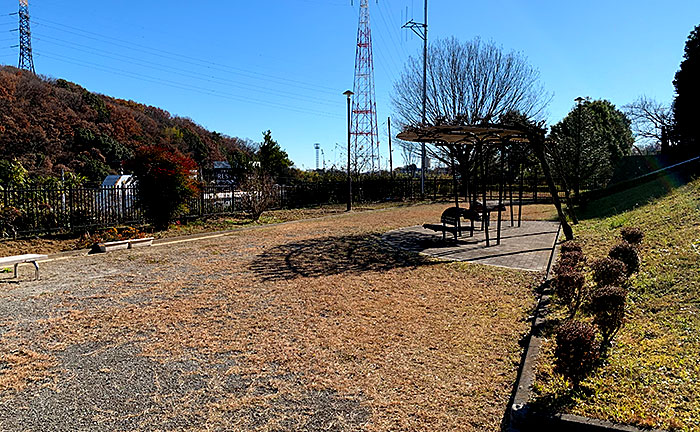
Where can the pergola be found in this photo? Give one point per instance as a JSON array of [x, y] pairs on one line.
[[484, 138]]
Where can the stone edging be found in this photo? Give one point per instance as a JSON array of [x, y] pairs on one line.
[[521, 419]]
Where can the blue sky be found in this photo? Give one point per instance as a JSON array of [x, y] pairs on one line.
[[242, 67]]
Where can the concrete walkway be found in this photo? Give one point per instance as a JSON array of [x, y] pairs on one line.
[[524, 248]]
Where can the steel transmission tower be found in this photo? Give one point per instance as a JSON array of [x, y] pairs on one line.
[[26, 60], [364, 129]]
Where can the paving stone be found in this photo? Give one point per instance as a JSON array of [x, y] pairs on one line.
[[527, 247]]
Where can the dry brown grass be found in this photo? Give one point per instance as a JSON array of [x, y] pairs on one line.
[[310, 314]]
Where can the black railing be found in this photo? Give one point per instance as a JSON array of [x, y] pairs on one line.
[[28, 211]]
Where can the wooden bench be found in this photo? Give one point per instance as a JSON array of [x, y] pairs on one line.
[[450, 221], [21, 259]]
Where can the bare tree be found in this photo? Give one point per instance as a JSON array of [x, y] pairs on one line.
[[651, 121], [257, 193], [468, 83], [409, 154]]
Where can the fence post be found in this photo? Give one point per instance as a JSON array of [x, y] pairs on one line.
[[70, 206], [122, 210]]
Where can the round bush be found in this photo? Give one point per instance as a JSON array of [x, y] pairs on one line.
[[576, 351], [632, 235], [563, 267], [569, 288], [608, 308], [572, 258], [609, 271], [570, 246], [626, 253]]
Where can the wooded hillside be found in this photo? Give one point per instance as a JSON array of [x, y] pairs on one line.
[[50, 125]]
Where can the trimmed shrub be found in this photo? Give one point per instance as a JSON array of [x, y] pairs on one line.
[[608, 271], [576, 351], [570, 246], [572, 258], [608, 308], [563, 267], [569, 288], [626, 253], [632, 235]]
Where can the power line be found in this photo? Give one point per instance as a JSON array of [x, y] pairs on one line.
[[391, 34], [188, 59], [182, 86], [177, 71]]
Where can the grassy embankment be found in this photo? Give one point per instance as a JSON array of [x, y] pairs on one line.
[[652, 374]]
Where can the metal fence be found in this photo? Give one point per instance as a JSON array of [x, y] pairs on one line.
[[29, 211]]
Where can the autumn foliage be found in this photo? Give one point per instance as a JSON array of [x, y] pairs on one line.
[[165, 182], [52, 125]]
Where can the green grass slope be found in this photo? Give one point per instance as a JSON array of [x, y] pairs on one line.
[[652, 376]]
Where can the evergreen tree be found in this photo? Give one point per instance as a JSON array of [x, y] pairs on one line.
[[685, 106], [273, 160], [587, 143]]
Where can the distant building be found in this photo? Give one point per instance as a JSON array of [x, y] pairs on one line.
[[118, 180], [117, 193], [222, 174]]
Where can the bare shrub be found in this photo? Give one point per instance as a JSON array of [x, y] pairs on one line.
[[257, 193]]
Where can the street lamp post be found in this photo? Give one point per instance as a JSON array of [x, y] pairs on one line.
[[577, 186], [349, 94]]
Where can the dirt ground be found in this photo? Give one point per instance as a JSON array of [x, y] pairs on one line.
[[311, 325]]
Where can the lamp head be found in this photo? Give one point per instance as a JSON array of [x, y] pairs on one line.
[[348, 93]]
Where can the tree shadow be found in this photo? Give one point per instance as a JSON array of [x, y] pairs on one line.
[[631, 198], [330, 256]]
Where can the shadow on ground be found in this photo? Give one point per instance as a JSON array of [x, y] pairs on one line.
[[332, 255], [629, 199]]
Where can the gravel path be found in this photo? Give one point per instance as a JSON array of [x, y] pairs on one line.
[[315, 325]]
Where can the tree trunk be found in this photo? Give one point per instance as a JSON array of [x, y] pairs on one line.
[[570, 206]]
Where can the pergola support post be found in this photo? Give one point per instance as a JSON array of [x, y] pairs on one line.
[[538, 146]]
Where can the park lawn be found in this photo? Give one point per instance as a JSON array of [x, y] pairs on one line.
[[49, 244], [652, 376], [61, 242], [310, 325]]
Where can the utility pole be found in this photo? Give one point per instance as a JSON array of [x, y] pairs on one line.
[[577, 181], [421, 29], [349, 94], [391, 159]]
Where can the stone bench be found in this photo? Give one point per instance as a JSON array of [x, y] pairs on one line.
[[122, 244], [22, 259]]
